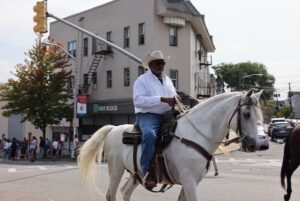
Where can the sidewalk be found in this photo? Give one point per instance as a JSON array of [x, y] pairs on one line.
[[64, 158]]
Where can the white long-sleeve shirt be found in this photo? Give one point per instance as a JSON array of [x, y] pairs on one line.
[[148, 90]]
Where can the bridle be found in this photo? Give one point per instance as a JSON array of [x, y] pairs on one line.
[[249, 102]]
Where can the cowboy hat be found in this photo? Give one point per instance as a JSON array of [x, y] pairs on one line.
[[155, 55]]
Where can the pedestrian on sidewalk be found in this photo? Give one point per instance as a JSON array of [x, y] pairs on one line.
[[32, 149], [54, 149], [75, 147], [46, 147], [23, 148], [14, 146], [6, 149], [41, 147], [59, 148]]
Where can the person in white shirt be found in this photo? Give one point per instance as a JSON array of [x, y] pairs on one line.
[[32, 148], [54, 149], [6, 148], [75, 147], [153, 95]]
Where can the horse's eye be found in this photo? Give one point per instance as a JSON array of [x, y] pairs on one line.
[[247, 115]]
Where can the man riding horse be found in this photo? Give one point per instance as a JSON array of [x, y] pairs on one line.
[[153, 95]]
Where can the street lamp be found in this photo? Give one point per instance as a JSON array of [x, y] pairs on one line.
[[251, 75], [74, 122]]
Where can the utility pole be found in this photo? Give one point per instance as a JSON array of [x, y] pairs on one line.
[[277, 95], [290, 98]]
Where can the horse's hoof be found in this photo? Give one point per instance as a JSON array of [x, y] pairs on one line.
[[286, 198]]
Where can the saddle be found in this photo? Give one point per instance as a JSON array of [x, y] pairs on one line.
[[132, 136], [168, 126]]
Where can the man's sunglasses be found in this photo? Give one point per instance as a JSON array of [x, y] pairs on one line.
[[158, 63]]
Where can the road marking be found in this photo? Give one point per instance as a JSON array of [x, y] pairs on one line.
[[42, 168], [251, 162], [233, 161], [12, 170], [30, 168], [240, 170]]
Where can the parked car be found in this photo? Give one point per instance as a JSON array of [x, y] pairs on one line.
[[271, 124], [262, 138], [280, 130]]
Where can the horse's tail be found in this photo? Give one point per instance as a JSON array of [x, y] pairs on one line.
[[88, 154], [285, 162]]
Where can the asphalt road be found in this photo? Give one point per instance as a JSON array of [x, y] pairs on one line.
[[243, 177]]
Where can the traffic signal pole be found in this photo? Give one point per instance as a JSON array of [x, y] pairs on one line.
[[138, 60]]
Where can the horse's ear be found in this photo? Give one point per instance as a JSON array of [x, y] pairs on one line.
[[258, 94], [249, 93]]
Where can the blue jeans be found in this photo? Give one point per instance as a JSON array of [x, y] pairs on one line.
[[149, 124]]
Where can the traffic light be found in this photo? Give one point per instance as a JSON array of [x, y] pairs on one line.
[[40, 18]]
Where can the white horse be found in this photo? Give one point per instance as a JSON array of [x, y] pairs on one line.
[[206, 125]]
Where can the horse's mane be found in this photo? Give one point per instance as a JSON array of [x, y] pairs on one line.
[[216, 99]]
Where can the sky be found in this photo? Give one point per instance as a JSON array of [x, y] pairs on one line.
[[266, 32]]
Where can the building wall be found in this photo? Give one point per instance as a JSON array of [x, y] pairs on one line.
[[296, 104], [179, 55], [111, 17], [115, 16], [12, 127]]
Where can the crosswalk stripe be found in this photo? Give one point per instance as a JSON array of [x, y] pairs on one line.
[[233, 161], [12, 170], [42, 168]]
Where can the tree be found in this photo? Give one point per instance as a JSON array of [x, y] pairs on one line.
[[285, 111], [40, 92], [268, 108], [243, 76]]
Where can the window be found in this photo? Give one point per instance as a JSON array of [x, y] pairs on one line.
[[71, 84], [142, 70], [94, 80], [72, 48], [126, 77], [109, 38], [141, 33], [173, 36], [85, 46], [126, 37], [108, 79], [174, 78], [95, 44]]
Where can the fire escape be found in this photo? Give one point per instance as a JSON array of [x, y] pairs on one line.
[[101, 51], [203, 78]]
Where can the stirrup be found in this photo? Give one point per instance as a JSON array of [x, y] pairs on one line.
[[152, 182]]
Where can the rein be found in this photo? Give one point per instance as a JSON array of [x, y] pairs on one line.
[[183, 111]]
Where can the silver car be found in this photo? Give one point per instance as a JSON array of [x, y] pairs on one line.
[[262, 138]]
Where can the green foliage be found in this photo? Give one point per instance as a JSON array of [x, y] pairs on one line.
[[285, 111], [235, 76], [268, 109], [40, 92]]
